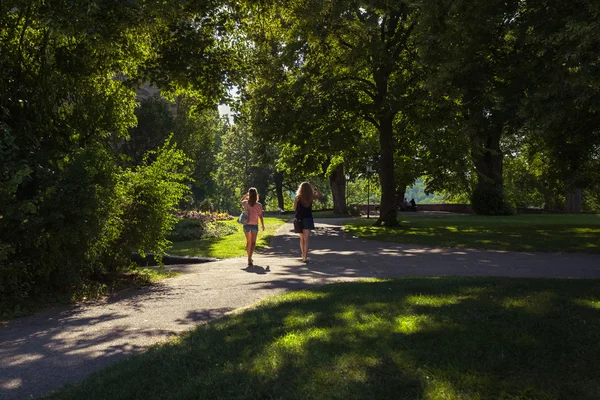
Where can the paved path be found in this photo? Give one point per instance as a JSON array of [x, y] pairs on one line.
[[45, 351]]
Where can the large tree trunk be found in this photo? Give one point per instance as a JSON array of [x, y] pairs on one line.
[[337, 181], [488, 159], [488, 197], [387, 207], [279, 189], [573, 201]]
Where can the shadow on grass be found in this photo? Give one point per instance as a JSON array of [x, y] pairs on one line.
[[518, 233], [407, 338]]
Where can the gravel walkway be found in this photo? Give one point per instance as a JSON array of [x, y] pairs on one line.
[[63, 345]]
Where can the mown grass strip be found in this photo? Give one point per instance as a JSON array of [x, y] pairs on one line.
[[433, 338], [543, 233]]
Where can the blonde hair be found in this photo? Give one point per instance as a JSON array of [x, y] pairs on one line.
[[305, 194], [252, 196]]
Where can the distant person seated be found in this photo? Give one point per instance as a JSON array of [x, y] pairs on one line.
[[413, 205]]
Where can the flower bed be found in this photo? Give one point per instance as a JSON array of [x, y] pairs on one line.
[[198, 215]]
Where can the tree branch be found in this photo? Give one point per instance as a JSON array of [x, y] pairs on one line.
[[371, 120], [370, 84], [343, 42]]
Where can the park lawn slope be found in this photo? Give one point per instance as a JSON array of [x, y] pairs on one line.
[[229, 246], [432, 338], [544, 233]]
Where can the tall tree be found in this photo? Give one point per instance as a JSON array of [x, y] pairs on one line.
[[473, 52], [360, 55], [563, 110]]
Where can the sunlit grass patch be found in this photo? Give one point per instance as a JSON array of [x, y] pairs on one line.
[[413, 324], [297, 319], [588, 303], [435, 301], [297, 297], [514, 303]]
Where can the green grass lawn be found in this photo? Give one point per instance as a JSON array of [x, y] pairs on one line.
[[413, 338], [546, 233], [229, 246], [329, 214]]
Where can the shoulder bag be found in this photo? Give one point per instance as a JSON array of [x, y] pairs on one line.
[[243, 218]]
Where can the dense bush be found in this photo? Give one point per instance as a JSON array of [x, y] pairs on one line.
[[153, 190], [187, 229], [86, 221], [192, 225], [489, 199]]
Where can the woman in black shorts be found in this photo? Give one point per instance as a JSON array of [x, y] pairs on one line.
[[303, 207]]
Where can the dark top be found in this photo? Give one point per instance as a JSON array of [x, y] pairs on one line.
[[303, 212]]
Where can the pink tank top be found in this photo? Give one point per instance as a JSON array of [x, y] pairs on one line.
[[253, 212]]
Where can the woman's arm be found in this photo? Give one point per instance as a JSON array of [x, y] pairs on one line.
[[316, 193]]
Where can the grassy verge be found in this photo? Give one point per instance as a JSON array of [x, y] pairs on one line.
[[88, 291], [545, 233], [229, 246], [431, 338]]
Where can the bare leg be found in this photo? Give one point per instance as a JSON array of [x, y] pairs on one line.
[[305, 235], [249, 246], [302, 244], [253, 246]]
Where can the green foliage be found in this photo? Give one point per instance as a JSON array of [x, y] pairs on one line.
[[198, 132], [240, 167], [89, 220], [155, 123], [153, 191], [478, 77], [591, 199], [563, 111], [359, 188]]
